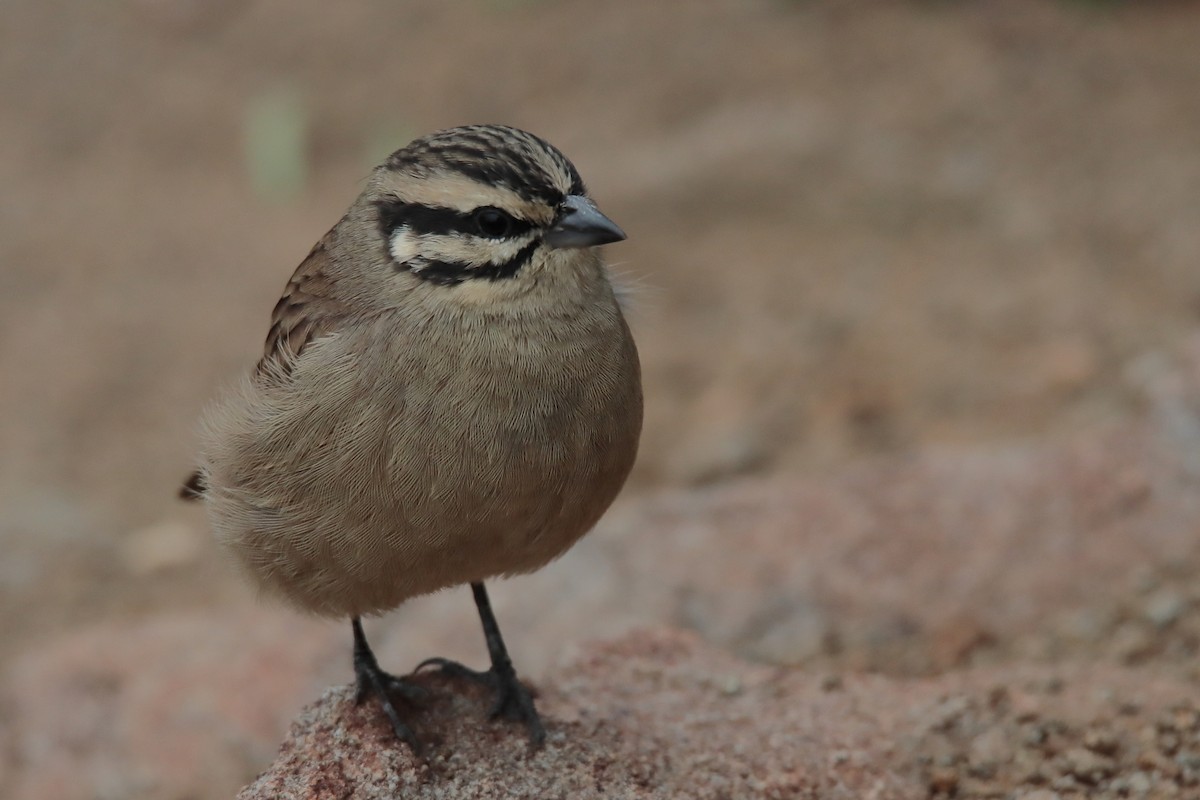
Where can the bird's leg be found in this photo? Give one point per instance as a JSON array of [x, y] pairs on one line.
[[370, 679], [513, 700]]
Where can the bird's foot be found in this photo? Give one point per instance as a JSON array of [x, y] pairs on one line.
[[371, 680], [513, 700]]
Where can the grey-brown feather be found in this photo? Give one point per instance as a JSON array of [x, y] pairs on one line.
[[400, 437]]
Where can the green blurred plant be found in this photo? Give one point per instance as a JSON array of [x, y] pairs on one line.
[[276, 135]]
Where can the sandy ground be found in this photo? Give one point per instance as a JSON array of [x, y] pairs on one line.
[[856, 230]]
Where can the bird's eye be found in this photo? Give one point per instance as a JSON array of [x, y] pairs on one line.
[[493, 223]]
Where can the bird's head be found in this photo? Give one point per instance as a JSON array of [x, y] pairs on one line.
[[486, 207]]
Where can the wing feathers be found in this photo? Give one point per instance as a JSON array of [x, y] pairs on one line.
[[306, 312]]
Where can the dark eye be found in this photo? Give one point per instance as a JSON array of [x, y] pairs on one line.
[[493, 223]]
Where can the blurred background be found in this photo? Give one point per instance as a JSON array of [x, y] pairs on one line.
[[855, 230]]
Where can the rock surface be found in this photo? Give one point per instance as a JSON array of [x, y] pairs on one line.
[[659, 714], [177, 705]]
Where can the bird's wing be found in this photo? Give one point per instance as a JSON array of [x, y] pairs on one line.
[[306, 312]]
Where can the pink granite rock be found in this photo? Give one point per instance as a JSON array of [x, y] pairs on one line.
[[659, 714], [178, 705]]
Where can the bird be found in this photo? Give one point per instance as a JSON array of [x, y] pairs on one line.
[[449, 393]]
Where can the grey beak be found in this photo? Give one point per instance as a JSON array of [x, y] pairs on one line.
[[580, 224]]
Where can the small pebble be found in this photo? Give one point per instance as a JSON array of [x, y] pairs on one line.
[[831, 683], [1086, 766], [1164, 607], [1039, 794], [1138, 783]]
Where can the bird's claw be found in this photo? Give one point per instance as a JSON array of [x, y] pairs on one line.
[[513, 700], [372, 680]]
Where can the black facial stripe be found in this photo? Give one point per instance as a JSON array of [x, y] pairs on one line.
[[422, 219], [452, 273]]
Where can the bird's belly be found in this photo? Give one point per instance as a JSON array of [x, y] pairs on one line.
[[510, 480], [392, 492]]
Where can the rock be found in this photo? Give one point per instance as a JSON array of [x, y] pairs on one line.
[[1086, 766], [649, 715], [1164, 607], [193, 706], [178, 705], [646, 716], [989, 750], [728, 439], [1039, 794]]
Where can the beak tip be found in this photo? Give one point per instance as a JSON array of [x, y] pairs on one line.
[[607, 236], [581, 224]]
